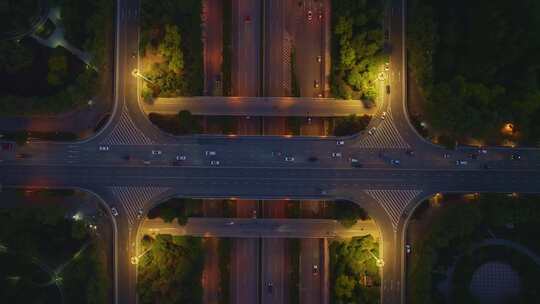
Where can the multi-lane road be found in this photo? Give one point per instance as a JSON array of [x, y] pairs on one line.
[[130, 177]]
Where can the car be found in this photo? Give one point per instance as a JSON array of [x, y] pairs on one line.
[[482, 151], [316, 84], [336, 154], [229, 223], [410, 152], [387, 66], [139, 213], [473, 156], [515, 156], [447, 155], [103, 148], [315, 269], [289, 158], [210, 153], [254, 214], [355, 163], [395, 162], [309, 15], [372, 130], [383, 115], [181, 157], [146, 162], [319, 95], [461, 162], [388, 89], [312, 159], [156, 152], [319, 59], [114, 211], [340, 142], [269, 287], [214, 163], [408, 248]]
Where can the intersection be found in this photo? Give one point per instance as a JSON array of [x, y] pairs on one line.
[[250, 169]]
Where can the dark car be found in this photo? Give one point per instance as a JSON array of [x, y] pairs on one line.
[[269, 287], [387, 89], [515, 156], [312, 159]]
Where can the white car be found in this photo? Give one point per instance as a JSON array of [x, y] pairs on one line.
[[482, 151], [372, 131], [340, 142], [461, 162], [309, 15], [336, 154], [289, 158], [104, 148], [181, 157], [383, 115], [210, 153], [408, 249], [395, 162], [139, 213], [156, 152], [214, 163], [114, 211]]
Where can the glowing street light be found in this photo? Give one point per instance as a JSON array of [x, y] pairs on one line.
[[137, 74]]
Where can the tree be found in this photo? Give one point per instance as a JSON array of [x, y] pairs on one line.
[[170, 47], [57, 69]]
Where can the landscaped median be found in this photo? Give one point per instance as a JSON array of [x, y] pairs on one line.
[[171, 48], [357, 48]]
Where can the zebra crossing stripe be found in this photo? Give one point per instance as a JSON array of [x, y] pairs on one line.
[[385, 136], [393, 201], [134, 198], [125, 132]]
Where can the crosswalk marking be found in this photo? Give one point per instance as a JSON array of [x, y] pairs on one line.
[[134, 198], [393, 201], [386, 135], [126, 133]]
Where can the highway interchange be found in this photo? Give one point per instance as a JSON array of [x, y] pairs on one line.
[[254, 167]]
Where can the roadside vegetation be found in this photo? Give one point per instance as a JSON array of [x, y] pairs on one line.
[[36, 79], [182, 124], [225, 250], [18, 15], [350, 125], [357, 48], [293, 246], [346, 212], [179, 209], [226, 69], [457, 228], [171, 47], [45, 255], [477, 67], [171, 270], [354, 275]]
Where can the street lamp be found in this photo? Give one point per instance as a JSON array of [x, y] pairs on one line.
[[137, 74], [378, 262]]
